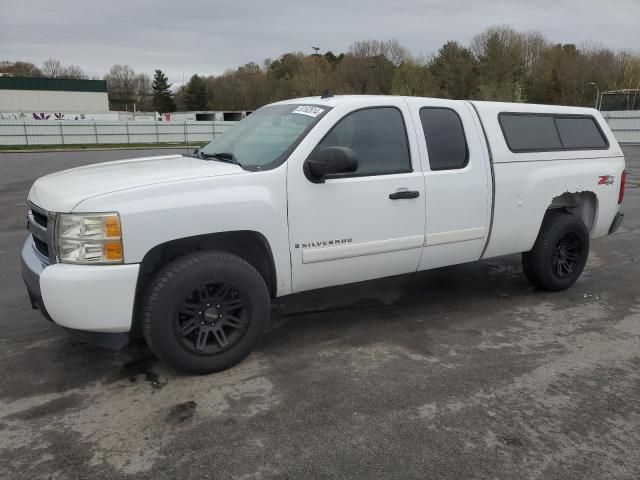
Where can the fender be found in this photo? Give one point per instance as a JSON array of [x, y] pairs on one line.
[[521, 206], [157, 214]]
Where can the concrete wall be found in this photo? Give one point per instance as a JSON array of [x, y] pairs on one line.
[[56, 101]]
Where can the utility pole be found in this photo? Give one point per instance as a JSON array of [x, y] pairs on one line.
[[597, 93], [315, 77]]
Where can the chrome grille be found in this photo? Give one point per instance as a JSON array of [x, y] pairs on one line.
[[40, 224]]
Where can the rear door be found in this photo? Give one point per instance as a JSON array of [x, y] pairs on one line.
[[457, 179]]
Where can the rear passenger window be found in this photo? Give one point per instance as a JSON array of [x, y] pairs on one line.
[[377, 136], [444, 134], [578, 132], [542, 133]]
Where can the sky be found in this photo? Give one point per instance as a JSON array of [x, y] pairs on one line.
[[210, 36]]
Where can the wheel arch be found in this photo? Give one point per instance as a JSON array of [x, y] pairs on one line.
[[582, 204], [251, 246]]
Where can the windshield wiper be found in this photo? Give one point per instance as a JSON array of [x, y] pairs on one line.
[[222, 157]]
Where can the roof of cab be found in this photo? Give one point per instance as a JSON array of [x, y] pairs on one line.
[[335, 100], [486, 106], [332, 101]]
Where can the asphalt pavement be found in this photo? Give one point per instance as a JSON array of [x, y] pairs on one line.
[[456, 373]]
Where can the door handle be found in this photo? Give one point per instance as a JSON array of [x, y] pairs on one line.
[[404, 194]]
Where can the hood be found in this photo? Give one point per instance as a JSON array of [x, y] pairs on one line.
[[61, 191]]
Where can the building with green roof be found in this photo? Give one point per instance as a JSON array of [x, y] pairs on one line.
[[30, 94]]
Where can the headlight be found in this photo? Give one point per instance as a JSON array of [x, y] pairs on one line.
[[89, 238]]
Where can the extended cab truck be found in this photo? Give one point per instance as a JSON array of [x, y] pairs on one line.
[[309, 193]]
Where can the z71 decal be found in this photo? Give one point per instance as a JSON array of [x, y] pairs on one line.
[[605, 180]]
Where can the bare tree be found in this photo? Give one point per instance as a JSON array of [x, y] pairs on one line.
[[121, 85], [395, 52], [52, 68], [534, 45], [127, 88], [391, 49], [74, 72], [20, 69], [143, 95]]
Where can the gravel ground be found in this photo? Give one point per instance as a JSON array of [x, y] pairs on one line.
[[456, 373]]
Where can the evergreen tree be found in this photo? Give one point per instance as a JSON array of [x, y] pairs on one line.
[[195, 94], [163, 100], [455, 71]]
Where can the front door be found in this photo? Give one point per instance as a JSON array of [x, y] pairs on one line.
[[366, 224]]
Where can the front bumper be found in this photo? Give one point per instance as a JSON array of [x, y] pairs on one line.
[[95, 302], [32, 267]]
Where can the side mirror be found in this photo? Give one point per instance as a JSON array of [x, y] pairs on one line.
[[196, 152], [330, 161]]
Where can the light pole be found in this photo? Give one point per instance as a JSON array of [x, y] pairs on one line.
[[597, 92], [315, 76]]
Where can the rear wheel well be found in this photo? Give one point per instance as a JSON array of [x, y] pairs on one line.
[[251, 246], [583, 205]]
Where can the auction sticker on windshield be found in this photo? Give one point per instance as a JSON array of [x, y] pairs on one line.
[[308, 110]]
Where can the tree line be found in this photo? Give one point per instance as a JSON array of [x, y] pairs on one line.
[[499, 63], [50, 69]]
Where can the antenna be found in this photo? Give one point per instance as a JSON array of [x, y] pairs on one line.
[[315, 75]]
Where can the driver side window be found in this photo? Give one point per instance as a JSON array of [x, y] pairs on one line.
[[378, 138]]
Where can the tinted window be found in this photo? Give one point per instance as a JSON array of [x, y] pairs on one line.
[[378, 138], [580, 132], [530, 132], [444, 134]]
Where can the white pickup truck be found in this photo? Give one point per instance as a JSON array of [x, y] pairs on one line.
[[308, 193]]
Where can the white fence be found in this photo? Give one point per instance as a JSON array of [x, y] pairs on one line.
[[625, 125], [16, 132]]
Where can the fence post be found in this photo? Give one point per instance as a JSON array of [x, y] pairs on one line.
[[157, 137], [213, 129], [126, 123], [95, 128], [61, 132], [26, 136], [186, 141]]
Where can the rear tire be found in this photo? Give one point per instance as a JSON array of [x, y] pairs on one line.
[[560, 253], [205, 312]]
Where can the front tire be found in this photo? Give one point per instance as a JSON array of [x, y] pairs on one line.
[[205, 312], [560, 253]]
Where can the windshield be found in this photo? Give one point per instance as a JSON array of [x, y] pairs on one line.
[[266, 137]]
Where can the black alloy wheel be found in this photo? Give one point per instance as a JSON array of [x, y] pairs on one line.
[[211, 319], [560, 252], [567, 255]]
